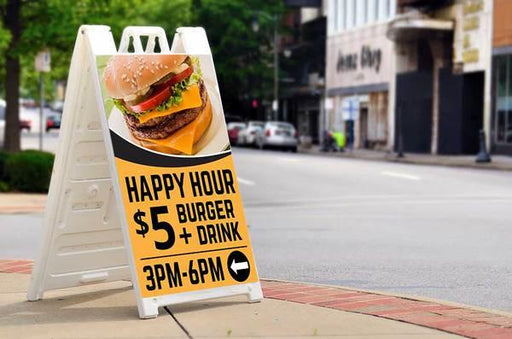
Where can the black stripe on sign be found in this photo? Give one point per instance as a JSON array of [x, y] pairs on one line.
[[127, 151]]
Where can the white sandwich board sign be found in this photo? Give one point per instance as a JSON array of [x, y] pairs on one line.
[[143, 185]]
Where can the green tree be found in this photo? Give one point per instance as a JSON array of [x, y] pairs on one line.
[[11, 14], [243, 58], [29, 26]]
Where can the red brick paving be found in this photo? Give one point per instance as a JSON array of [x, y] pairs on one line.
[[453, 319], [15, 266]]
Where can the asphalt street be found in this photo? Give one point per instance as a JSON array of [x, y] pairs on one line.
[[30, 140], [418, 230]]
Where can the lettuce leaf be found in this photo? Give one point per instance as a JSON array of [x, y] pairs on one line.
[[120, 106], [178, 89], [176, 96]]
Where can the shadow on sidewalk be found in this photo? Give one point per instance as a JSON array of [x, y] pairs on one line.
[[96, 306], [205, 305]]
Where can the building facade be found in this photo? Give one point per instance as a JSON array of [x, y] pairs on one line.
[[501, 124], [443, 74], [302, 67], [416, 74], [359, 98]]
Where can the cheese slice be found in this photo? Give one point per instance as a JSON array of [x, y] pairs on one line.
[[183, 140], [191, 98]]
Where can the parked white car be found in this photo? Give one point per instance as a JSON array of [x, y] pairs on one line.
[[247, 136], [278, 134]]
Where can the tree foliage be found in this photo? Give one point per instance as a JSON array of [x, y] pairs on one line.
[[242, 57]]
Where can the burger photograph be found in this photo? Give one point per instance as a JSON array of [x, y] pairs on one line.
[[164, 103]]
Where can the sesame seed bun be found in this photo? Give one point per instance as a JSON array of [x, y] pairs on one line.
[[127, 74]]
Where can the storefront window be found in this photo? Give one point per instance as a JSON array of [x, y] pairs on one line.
[[504, 99]]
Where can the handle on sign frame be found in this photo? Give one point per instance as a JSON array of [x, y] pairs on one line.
[[191, 40], [136, 32]]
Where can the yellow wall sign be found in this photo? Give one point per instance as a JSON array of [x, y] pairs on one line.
[[473, 6], [144, 183], [471, 55]]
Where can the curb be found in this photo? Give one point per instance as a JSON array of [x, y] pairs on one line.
[[389, 157], [452, 318]]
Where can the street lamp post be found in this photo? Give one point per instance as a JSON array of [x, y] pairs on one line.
[[400, 146], [42, 65], [275, 104], [255, 28]]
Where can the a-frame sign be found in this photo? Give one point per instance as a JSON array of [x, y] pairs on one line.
[[143, 184]]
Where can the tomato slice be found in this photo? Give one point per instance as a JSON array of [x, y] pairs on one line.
[[161, 93], [153, 101], [179, 77]]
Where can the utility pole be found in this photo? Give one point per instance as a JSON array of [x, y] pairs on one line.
[[275, 104], [42, 64], [41, 115]]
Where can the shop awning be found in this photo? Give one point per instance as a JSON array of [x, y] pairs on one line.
[[413, 27]]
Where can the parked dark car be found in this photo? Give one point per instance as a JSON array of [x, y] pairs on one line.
[[52, 122], [233, 129], [25, 124]]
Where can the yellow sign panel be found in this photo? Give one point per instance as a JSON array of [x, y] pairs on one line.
[[186, 226], [182, 205]]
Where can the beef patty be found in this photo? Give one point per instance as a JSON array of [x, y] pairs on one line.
[[162, 127]]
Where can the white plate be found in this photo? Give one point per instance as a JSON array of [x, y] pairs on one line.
[[215, 139]]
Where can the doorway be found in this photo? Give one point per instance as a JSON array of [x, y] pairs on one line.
[[413, 115], [363, 127]]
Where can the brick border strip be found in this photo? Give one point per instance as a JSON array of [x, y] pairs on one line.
[[452, 319], [16, 266]]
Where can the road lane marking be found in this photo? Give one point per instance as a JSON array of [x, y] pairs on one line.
[[246, 182], [401, 175], [310, 208], [372, 197]]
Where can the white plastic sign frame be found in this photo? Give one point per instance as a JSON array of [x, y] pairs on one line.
[[85, 237]]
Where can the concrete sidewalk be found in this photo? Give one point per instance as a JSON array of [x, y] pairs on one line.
[[499, 162], [289, 310], [109, 311]]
